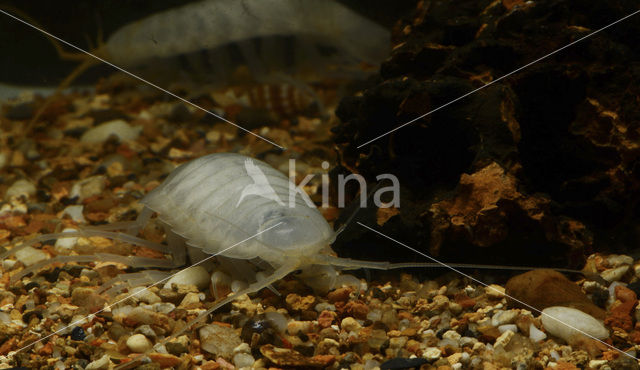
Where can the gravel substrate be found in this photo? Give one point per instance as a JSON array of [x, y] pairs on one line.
[[102, 153]]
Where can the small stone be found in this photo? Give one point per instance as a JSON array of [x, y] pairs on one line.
[[116, 331], [219, 340], [88, 187], [87, 298], [145, 295], [377, 338], [616, 260], [504, 317], [165, 360], [350, 324], [432, 353], [164, 307], [596, 364], [146, 331], [615, 274], [564, 322], [19, 188], [504, 339], [535, 334], [176, 348], [243, 360], [506, 327], [295, 327], [190, 301], [77, 333], [298, 303], [339, 295], [454, 358], [451, 335], [119, 128], [138, 343], [494, 291], [76, 214], [242, 348], [621, 311], [100, 364], [194, 275], [29, 255], [284, 357]]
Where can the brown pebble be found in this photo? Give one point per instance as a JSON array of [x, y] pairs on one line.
[[326, 318], [339, 295], [165, 360], [546, 288], [298, 303], [356, 309], [620, 313]]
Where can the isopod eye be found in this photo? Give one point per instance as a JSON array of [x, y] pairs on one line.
[[294, 234]]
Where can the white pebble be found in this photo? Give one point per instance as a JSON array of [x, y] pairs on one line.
[[138, 343], [100, 364], [122, 130], [219, 340], [432, 353], [164, 307], [29, 255], [535, 334], [564, 322], [616, 260], [508, 327], [615, 274], [8, 264], [75, 212], [596, 364], [242, 348], [21, 187], [66, 244], [504, 317], [324, 306], [243, 360], [145, 295], [194, 275], [452, 335]]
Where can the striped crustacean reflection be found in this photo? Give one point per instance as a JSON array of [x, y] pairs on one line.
[[217, 44]]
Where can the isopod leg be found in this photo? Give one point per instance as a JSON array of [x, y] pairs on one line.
[[133, 261]]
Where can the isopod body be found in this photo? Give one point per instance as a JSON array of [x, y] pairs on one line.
[[220, 200]]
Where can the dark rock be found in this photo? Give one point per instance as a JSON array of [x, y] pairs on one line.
[[403, 363], [562, 129], [77, 333]]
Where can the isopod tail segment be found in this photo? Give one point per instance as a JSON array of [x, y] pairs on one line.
[[86, 60]]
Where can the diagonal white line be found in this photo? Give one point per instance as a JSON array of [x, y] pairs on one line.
[[490, 287], [498, 79], [141, 79], [142, 290]]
